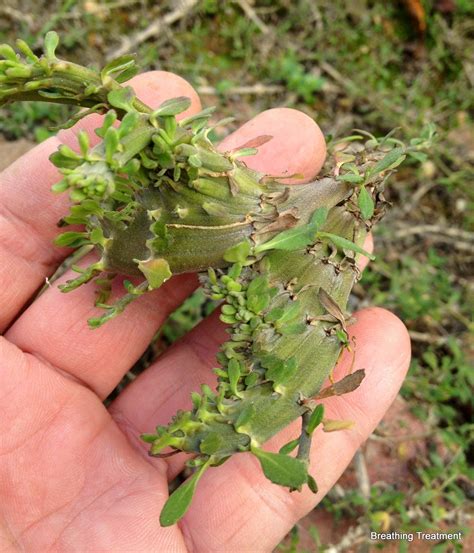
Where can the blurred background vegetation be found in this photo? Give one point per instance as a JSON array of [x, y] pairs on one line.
[[349, 64]]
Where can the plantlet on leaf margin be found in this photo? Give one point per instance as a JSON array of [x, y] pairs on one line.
[[155, 198]]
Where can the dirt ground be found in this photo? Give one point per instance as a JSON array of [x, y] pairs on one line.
[[12, 150]]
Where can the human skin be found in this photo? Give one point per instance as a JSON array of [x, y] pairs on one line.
[[74, 476]]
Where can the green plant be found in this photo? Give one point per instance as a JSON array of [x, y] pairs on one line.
[[289, 70], [155, 198]]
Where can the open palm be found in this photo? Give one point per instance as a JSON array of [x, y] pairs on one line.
[[74, 476]]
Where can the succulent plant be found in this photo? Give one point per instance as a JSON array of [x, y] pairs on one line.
[[156, 198]]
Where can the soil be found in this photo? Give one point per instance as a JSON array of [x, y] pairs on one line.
[[10, 151]]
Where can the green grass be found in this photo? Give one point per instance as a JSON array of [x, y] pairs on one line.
[[349, 65]]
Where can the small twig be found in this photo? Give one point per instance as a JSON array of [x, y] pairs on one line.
[[94, 8], [362, 473], [252, 15], [318, 18], [304, 446], [451, 232], [17, 15], [163, 455], [183, 7], [402, 438], [418, 195], [354, 536], [65, 265], [258, 89], [426, 338], [469, 71], [460, 239], [333, 73]]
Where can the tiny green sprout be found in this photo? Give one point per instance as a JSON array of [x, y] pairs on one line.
[[51, 42]]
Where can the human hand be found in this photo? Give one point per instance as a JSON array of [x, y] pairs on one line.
[[75, 476]]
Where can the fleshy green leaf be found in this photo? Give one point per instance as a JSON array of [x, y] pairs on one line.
[[51, 41], [274, 314], [350, 177], [257, 304], [366, 204], [345, 244], [238, 253], [312, 484], [391, 160], [258, 285], [296, 238], [129, 122], [111, 141], [279, 370], [200, 117], [289, 240], [179, 501], [19, 72], [68, 152], [214, 161], [72, 239], [331, 425], [233, 371], [156, 271], [244, 152], [97, 236], [173, 106], [318, 218], [120, 69], [245, 415], [293, 328], [289, 447], [282, 469], [315, 419], [290, 312], [83, 139], [122, 98], [148, 438], [234, 271], [109, 119], [211, 443], [7, 52], [419, 156], [60, 186]]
